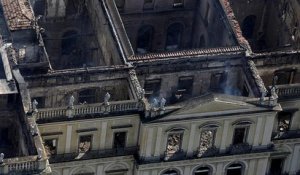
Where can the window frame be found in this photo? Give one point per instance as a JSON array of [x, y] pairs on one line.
[[91, 143], [154, 92], [126, 138], [52, 138]]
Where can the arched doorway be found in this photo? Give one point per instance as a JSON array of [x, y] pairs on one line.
[[174, 35], [248, 26]]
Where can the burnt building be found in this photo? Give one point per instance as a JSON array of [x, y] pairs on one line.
[[149, 87]]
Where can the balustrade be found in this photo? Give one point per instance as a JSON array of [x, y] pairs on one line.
[[97, 108], [288, 90], [22, 164]]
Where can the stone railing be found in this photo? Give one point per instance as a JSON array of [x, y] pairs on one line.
[[288, 90], [22, 165], [79, 110], [291, 134]]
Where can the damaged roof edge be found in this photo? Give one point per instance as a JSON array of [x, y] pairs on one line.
[[235, 25]]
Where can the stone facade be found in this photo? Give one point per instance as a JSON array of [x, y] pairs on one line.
[[152, 87]]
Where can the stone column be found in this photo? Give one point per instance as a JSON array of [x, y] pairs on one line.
[[100, 169], [224, 136], [257, 131], [149, 142], [68, 139], [219, 169], [158, 142], [191, 140], [262, 166], [268, 130], [103, 135], [295, 159]]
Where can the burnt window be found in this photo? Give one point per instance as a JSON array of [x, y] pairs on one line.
[[120, 4], [284, 76], [178, 3], [276, 166], [152, 88], [174, 36], [39, 7], [85, 143], [144, 39], [202, 171], [69, 42], [185, 85], [87, 96], [234, 169], [218, 81], [170, 172], [174, 143], [284, 121], [207, 139], [40, 100], [120, 140], [240, 135], [50, 146], [248, 26]]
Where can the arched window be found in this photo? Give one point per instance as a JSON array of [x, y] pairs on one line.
[[144, 39], [235, 169], [203, 171], [170, 172], [248, 26], [174, 35], [69, 42]]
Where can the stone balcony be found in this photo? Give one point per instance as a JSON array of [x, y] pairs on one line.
[[88, 110], [23, 165], [291, 134], [288, 91]]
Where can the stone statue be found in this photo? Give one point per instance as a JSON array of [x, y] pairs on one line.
[[34, 106], [274, 96], [1, 158], [71, 102], [154, 103], [106, 98], [162, 103], [262, 97]]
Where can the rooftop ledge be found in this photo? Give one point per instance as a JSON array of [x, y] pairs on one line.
[[48, 114], [187, 53]]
